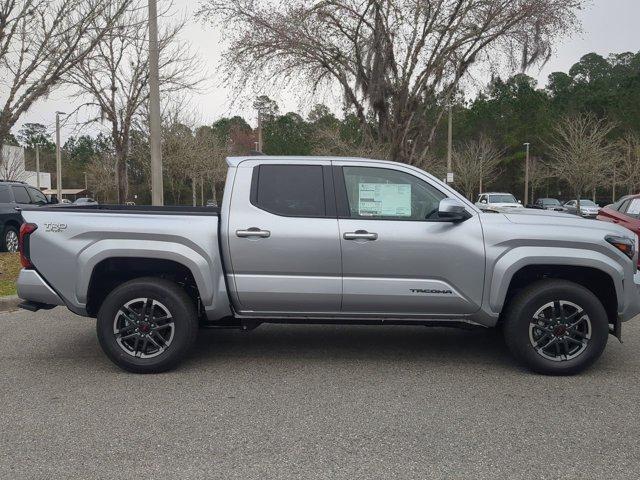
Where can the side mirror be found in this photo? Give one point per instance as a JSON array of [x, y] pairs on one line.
[[452, 210], [520, 202]]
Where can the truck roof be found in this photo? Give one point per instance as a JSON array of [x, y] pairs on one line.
[[235, 161]]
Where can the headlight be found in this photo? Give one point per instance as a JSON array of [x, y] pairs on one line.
[[624, 244]]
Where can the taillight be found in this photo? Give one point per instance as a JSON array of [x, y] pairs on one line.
[[26, 229]]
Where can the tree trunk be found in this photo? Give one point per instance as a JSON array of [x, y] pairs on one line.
[[121, 175], [4, 134], [194, 180]]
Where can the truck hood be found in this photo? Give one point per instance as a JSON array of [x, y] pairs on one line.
[[550, 218]]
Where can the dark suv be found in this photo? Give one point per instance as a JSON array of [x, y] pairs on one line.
[[12, 195]]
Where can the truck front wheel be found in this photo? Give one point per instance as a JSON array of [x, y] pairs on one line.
[[147, 325], [556, 327]]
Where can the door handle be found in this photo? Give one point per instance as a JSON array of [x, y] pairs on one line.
[[360, 235], [253, 232]]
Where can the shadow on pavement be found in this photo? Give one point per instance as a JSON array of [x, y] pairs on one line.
[[361, 342]]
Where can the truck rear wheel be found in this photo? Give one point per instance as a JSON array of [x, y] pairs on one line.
[[556, 327], [147, 325]]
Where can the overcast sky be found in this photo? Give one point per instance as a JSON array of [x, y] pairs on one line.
[[608, 26]]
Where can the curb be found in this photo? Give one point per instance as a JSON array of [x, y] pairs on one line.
[[10, 303]]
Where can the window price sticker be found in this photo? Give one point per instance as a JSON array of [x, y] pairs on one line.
[[384, 200]]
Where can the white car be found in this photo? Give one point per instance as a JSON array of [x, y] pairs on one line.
[[588, 209], [497, 202]]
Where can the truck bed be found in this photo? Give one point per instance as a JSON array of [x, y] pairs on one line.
[[72, 242]]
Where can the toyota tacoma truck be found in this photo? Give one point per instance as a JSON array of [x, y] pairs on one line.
[[331, 240]]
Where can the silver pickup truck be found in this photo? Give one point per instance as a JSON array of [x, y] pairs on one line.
[[332, 240]]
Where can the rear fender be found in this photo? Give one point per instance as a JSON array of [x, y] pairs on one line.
[[202, 271]]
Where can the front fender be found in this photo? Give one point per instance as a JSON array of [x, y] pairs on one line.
[[516, 259]]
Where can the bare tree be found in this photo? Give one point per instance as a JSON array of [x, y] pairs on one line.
[[396, 62], [40, 41], [328, 141], [539, 172], [627, 158], [12, 163], [114, 79], [177, 158], [101, 177], [211, 158], [580, 153], [476, 162]]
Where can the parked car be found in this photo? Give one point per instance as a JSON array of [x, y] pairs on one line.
[[85, 201], [13, 196], [549, 204], [337, 241], [588, 209], [496, 201], [625, 212]]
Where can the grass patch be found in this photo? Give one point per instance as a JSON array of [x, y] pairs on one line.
[[9, 269]]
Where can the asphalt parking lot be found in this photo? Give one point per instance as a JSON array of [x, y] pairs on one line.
[[311, 402]]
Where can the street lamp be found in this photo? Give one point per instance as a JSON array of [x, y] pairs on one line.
[[58, 158], [526, 175]]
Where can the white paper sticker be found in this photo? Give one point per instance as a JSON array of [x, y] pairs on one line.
[[384, 200]]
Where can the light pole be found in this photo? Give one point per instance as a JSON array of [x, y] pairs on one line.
[[259, 147], [157, 189], [526, 175], [450, 146], [58, 158], [481, 174], [38, 166]]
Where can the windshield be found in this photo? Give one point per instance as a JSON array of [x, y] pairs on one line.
[[550, 201], [507, 198], [587, 203]]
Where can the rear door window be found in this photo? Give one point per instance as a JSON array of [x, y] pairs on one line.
[[290, 190], [5, 195], [632, 208], [21, 195]]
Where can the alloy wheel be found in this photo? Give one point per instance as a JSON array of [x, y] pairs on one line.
[[560, 331], [144, 328], [11, 241]]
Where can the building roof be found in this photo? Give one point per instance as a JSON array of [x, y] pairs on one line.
[[65, 191]]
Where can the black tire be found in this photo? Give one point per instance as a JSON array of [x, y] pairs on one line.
[[181, 324], [8, 244], [521, 333]]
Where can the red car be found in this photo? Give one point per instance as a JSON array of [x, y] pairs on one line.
[[625, 212]]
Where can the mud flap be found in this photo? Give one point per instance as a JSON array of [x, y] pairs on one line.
[[616, 329]]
